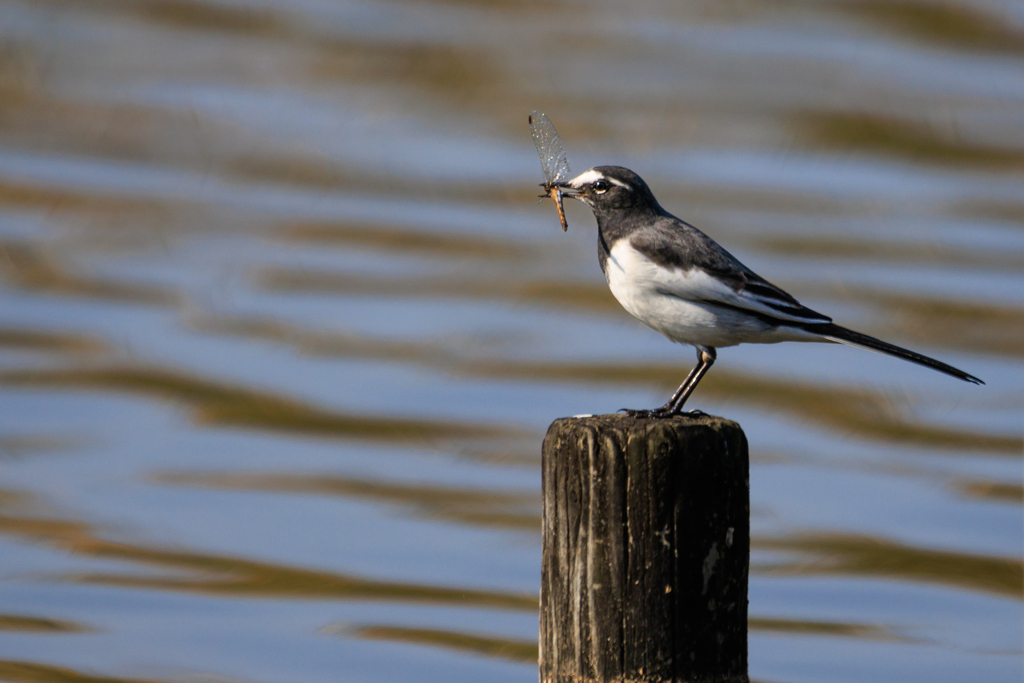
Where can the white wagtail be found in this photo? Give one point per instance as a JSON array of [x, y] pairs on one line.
[[680, 282]]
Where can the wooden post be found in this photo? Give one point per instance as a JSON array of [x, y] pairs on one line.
[[646, 551]]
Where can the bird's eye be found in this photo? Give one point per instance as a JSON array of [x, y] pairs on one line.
[[601, 186]]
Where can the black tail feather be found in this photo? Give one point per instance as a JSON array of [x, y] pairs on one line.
[[844, 336]]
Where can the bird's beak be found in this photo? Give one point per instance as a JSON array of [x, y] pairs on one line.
[[568, 190]]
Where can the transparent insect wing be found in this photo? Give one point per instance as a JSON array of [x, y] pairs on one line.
[[549, 148]]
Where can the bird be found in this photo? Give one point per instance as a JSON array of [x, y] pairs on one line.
[[680, 282]]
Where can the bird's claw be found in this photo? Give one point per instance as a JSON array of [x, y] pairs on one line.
[[662, 412], [656, 412]]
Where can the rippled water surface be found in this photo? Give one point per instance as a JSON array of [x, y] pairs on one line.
[[282, 325]]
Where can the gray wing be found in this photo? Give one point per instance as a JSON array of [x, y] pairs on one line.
[[698, 269]]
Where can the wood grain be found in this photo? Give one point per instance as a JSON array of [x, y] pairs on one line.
[[646, 550]]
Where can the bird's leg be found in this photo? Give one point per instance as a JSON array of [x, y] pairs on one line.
[[684, 390], [706, 356]]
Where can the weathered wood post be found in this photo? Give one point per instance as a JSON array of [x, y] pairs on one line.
[[646, 551]]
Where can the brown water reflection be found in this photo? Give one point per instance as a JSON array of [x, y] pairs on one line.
[[853, 555], [526, 651], [32, 672], [476, 506], [1002, 492], [396, 238], [909, 140], [27, 624], [225, 576], [60, 342], [948, 25], [575, 295], [62, 201], [838, 248], [202, 16], [310, 172], [831, 629], [225, 405], [514, 650], [1007, 212], [29, 267]]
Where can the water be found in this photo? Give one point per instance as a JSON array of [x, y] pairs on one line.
[[281, 325]]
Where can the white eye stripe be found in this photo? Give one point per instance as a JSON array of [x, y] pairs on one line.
[[586, 178], [592, 176]]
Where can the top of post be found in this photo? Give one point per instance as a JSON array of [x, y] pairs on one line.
[[629, 423]]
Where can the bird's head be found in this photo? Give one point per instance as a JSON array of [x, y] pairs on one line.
[[609, 189]]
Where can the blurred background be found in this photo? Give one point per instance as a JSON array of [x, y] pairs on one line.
[[282, 324]]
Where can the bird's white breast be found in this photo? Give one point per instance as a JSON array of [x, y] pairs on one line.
[[673, 302]]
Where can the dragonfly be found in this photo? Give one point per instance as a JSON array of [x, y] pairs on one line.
[[552, 160]]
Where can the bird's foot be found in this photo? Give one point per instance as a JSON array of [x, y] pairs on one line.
[[663, 411]]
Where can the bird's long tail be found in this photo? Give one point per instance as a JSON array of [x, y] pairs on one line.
[[842, 335]]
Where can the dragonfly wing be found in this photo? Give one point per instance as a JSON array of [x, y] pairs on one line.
[[549, 148]]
